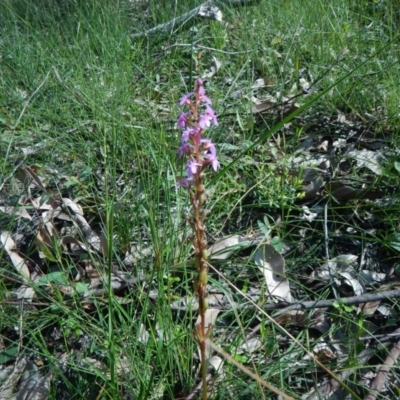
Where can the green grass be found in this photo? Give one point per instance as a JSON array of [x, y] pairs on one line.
[[99, 108]]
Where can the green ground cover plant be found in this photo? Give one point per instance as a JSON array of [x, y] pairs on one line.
[[96, 259]]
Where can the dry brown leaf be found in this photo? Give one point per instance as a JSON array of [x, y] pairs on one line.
[[343, 193], [250, 345], [99, 243], [20, 212], [27, 176], [44, 239], [10, 248], [210, 12], [217, 363], [224, 248], [75, 245], [32, 385], [272, 265], [342, 263], [353, 279], [369, 308], [24, 292], [210, 318], [368, 159], [75, 207], [11, 376], [264, 106], [214, 68]]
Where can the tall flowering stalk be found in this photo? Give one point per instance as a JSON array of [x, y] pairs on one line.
[[200, 153]]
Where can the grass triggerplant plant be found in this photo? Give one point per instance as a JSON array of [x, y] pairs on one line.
[[200, 153]]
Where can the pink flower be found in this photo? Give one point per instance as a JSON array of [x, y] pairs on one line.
[[202, 93], [191, 168], [183, 120], [214, 162], [189, 134], [211, 156], [184, 149], [211, 115], [206, 118], [184, 182], [185, 99]]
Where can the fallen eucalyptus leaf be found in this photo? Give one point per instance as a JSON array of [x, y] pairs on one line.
[[272, 265], [224, 248], [353, 280], [9, 246], [368, 158]]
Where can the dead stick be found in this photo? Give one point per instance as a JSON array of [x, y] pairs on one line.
[[382, 375], [285, 306]]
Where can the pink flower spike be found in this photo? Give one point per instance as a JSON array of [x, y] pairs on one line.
[[185, 99]]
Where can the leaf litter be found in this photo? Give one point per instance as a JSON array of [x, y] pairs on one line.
[[59, 222], [336, 161]]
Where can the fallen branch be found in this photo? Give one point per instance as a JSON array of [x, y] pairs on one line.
[[365, 298], [378, 383], [181, 20], [206, 10], [285, 306]]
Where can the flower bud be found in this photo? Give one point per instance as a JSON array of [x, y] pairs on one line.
[[205, 303], [202, 198], [196, 284], [203, 277]]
